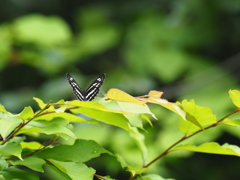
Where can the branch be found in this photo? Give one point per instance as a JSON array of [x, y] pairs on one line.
[[168, 150], [21, 125]]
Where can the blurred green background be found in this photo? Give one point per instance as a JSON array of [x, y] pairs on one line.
[[188, 49]]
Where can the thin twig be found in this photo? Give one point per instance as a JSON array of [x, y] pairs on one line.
[[168, 150], [21, 125], [100, 177]]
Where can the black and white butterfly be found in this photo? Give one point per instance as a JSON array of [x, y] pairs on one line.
[[91, 91]]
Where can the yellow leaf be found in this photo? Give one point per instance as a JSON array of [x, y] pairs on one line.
[[155, 99], [119, 95], [155, 94]]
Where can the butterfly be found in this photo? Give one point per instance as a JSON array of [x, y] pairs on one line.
[[91, 91]]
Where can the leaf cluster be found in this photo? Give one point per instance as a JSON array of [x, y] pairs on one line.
[[67, 155]]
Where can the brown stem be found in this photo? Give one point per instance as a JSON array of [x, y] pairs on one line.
[[168, 150], [20, 126], [100, 177]]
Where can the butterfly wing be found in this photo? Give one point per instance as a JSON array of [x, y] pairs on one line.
[[79, 93], [93, 89]]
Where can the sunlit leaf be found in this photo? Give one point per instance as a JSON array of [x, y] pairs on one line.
[[230, 122], [8, 124], [155, 94], [136, 170], [134, 119], [104, 116], [197, 117], [135, 108], [26, 113], [235, 96], [146, 118], [119, 95], [30, 145], [87, 104], [211, 147], [133, 112], [42, 105], [61, 109], [2, 109], [61, 106], [111, 107], [154, 97], [61, 102], [70, 117]]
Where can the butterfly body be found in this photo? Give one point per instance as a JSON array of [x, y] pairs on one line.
[[92, 90]]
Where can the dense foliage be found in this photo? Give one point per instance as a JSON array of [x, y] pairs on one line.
[[187, 49], [67, 155]]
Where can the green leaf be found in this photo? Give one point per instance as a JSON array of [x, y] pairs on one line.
[[57, 126], [211, 147], [33, 163], [42, 105], [61, 106], [121, 160], [27, 113], [134, 119], [87, 104], [107, 117], [12, 148], [197, 117], [75, 170], [46, 122], [135, 108], [133, 112], [136, 170], [152, 177], [230, 122], [58, 130], [235, 96], [70, 117], [112, 106], [121, 96], [80, 151], [3, 164], [155, 98], [30, 145], [2, 109], [8, 124], [15, 173], [61, 109], [56, 173], [61, 101], [139, 140]]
